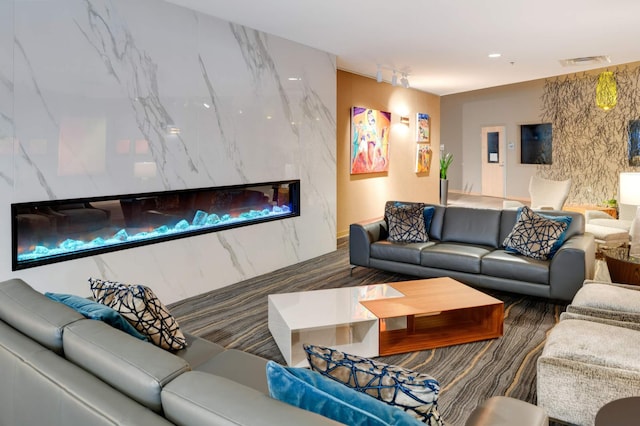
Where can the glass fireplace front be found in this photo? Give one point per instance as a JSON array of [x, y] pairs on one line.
[[54, 231]]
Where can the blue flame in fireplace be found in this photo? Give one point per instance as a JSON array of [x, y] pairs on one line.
[[201, 221]]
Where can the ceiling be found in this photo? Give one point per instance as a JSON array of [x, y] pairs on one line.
[[444, 45]]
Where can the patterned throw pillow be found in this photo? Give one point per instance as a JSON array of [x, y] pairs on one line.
[[535, 236], [415, 393], [406, 224], [140, 306]]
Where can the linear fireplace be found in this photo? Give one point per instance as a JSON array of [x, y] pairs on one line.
[[54, 231]]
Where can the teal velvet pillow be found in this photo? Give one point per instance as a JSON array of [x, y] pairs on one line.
[[561, 219], [97, 311], [311, 391]]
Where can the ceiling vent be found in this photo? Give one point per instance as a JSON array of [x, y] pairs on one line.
[[585, 60]]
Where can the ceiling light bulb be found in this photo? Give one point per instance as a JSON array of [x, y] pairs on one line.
[[394, 79], [379, 75]]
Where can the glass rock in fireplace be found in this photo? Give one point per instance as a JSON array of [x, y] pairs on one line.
[[53, 231]]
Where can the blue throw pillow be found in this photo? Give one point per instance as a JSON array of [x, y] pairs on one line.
[[563, 237], [311, 391], [97, 311], [428, 216]]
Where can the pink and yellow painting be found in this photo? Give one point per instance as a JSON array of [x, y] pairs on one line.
[[369, 140], [423, 158]]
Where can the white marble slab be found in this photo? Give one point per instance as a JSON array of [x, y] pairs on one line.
[[88, 94]]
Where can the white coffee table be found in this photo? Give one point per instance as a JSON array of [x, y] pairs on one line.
[[332, 317]]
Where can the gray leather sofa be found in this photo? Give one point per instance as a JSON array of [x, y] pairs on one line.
[[466, 244], [58, 368]]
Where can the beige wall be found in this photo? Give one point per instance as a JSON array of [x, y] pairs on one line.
[[589, 145], [362, 197]]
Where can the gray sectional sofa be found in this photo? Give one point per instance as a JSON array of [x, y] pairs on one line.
[[60, 369], [466, 244]]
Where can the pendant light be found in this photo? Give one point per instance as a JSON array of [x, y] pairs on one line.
[[606, 91]]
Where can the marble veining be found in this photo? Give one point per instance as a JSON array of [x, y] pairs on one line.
[[88, 96]]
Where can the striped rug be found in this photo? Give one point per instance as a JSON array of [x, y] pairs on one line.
[[236, 317]]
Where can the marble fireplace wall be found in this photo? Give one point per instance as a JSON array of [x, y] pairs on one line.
[[89, 93]]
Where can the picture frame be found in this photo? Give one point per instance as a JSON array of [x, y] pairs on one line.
[[370, 131], [423, 128], [633, 151], [423, 158]]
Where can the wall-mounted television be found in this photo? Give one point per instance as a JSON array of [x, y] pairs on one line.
[[536, 143]]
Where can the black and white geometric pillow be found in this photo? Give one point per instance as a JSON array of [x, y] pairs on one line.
[[140, 306], [535, 236], [415, 393], [406, 224]]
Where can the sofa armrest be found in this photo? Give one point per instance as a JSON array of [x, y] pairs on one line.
[[361, 235], [578, 251], [198, 398]]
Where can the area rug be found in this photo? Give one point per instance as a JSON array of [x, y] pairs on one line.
[[236, 317]]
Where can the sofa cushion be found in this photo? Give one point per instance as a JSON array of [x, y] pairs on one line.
[[136, 368], [96, 311], [311, 391], [139, 305], [415, 393], [198, 398], [407, 224], [471, 226], [535, 236], [398, 252], [502, 264], [454, 257], [35, 315]]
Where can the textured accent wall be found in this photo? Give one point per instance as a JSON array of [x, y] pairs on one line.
[[589, 144]]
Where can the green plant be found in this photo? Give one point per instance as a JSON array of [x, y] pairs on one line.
[[611, 203], [445, 162]]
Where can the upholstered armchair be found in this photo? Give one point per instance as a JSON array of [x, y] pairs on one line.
[[545, 194]]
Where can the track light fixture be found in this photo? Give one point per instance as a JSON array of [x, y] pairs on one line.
[[404, 81]]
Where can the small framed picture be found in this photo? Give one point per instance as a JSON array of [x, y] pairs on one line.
[[423, 130], [423, 158]]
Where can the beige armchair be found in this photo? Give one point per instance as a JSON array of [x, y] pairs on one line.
[[545, 194]]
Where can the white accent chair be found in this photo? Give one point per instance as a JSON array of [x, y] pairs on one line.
[[545, 194], [608, 232]]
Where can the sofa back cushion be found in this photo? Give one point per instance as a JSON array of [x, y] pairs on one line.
[[471, 226], [136, 368], [35, 315]]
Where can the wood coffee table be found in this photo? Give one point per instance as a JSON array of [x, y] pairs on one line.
[[439, 312], [383, 319]]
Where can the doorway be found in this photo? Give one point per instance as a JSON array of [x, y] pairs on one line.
[[492, 158]]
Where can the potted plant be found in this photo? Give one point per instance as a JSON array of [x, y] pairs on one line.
[[445, 162]]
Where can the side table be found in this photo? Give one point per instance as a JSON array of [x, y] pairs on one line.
[[621, 412], [611, 211], [623, 268]]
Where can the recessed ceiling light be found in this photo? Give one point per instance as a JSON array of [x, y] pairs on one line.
[[295, 79], [495, 55]]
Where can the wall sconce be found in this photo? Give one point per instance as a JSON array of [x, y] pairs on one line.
[[606, 91], [404, 120]]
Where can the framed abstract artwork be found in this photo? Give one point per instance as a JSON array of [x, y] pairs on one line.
[[423, 130], [423, 158], [369, 140], [634, 143]]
